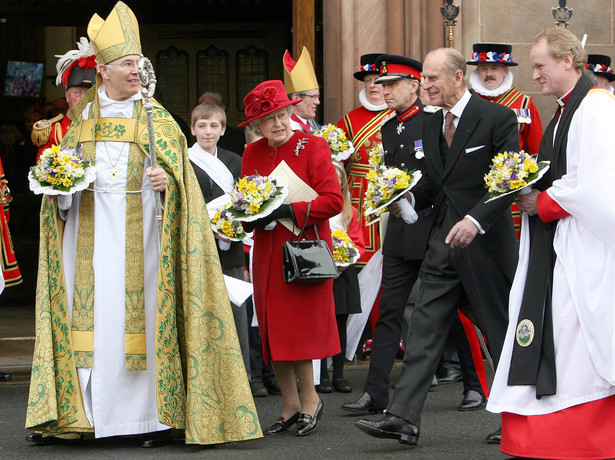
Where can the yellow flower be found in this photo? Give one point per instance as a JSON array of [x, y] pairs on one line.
[[55, 149], [67, 182]]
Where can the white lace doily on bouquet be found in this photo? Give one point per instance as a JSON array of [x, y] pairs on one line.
[[88, 177]]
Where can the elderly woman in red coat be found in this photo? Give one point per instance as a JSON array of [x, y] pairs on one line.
[[297, 321]]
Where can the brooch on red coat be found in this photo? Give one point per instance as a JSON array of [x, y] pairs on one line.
[[300, 146]]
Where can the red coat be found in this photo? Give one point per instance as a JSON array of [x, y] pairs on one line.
[[355, 233], [297, 322]]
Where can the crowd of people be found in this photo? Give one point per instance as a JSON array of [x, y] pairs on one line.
[[156, 347]]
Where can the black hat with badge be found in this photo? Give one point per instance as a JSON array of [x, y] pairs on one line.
[[393, 67], [368, 66], [600, 64]]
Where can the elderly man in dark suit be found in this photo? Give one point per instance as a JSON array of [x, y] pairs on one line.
[[472, 251]]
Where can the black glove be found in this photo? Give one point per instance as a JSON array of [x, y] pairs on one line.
[[285, 211]]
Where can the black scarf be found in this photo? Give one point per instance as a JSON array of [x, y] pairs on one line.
[[533, 357]]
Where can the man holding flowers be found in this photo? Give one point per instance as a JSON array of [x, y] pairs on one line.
[[133, 326], [471, 253], [555, 386], [404, 245]]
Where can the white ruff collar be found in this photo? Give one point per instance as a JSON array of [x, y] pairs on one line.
[[368, 105], [480, 89]]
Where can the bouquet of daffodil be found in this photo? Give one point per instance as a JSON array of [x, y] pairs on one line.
[[345, 252], [60, 171], [376, 155], [254, 197], [222, 222], [513, 171], [371, 219], [385, 185], [341, 147]]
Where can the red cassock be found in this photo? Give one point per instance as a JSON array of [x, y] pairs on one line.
[[362, 127], [296, 321], [58, 131]]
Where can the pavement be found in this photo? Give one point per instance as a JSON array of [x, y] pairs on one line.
[[446, 433]]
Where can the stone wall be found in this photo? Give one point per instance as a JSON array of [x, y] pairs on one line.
[[413, 27]]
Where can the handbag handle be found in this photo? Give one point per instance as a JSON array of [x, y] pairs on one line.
[[307, 215]]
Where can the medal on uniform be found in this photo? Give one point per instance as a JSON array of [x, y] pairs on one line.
[[400, 127], [418, 149]]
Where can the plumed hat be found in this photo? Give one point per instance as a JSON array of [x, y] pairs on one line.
[[77, 67], [299, 76], [115, 37]]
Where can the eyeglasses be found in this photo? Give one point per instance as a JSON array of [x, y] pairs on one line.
[[310, 96], [127, 65]]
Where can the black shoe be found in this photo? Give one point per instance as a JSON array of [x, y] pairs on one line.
[[258, 388], [282, 425], [495, 437], [446, 375], [365, 403], [271, 384], [4, 377], [155, 439], [307, 423], [324, 387], [39, 439], [472, 400], [341, 386], [390, 427]]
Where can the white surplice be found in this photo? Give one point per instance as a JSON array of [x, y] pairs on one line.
[[117, 402], [583, 276]]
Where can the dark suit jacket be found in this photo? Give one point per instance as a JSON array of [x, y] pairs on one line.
[[234, 256], [404, 240], [484, 130]]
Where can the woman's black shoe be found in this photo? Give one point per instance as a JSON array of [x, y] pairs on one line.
[[282, 425], [341, 386], [307, 423]]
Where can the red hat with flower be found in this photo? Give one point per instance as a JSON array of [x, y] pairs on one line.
[[266, 98]]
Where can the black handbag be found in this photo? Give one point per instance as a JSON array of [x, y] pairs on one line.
[[307, 261]]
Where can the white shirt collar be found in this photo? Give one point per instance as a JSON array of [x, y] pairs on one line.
[[458, 109]]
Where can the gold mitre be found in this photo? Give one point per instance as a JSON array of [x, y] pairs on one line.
[[299, 76], [115, 37]]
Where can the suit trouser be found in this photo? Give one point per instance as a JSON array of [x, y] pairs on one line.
[[398, 277], [457, 355], [449, 278], [240, 316]]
